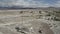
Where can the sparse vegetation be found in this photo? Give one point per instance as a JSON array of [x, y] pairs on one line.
[[31, 12], [40, 12], [21, 12], [48, 15]]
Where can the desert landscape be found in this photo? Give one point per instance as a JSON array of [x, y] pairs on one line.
[[30, 21]]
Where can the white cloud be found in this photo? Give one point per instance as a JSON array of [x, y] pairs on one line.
[[27, 3], [57, 4], [31, 3]]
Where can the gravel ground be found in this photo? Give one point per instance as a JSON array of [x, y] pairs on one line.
[[20, 24]]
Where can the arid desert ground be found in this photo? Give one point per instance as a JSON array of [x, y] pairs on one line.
[[30, 21]]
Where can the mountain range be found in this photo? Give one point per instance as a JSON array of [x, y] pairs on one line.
[[21, 7]]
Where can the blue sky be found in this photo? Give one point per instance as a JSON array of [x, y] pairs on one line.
[[30, 3]]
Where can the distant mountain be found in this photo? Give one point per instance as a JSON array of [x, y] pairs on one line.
[[21, 7], [17, 7]]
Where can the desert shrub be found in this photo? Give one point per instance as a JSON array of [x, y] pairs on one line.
[[48, 15], [21, 11], [40, 31], [56, 19], [39, 11], [31, 12]]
